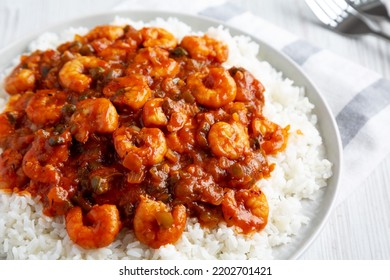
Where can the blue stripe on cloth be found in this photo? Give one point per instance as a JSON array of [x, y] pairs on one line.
[[222, 12], [361, 108], [300, 51]]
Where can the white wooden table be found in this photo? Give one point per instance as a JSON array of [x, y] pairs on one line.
[[359, 228]]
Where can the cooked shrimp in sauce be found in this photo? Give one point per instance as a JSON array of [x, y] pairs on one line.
[[136, 130], [156, 225]]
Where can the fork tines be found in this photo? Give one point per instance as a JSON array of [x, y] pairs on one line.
[[330, 12]]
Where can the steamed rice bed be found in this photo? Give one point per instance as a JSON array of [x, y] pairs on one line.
[[301, 170]]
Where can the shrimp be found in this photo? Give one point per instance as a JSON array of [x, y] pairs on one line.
[[118, 51], [19, 81], [132, 91], [18, 102], [213, 89], [154, 62], [48, 152], [205, 48], [45, 106], [178, 113], [151, 149], [153, 114], [156, 225], [38, 68], [183, 140], [248, 209], [102, 225], [248, 87], [158, 37], [238, 112], [273, 138], [72, 74], [59, 203], [93, 115], [110, 32], [173, 115], [228, 140]]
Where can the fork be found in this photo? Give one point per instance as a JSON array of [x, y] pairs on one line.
[[371, 7], [341, 17]]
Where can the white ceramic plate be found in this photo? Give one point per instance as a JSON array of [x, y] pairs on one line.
[[318, 211]]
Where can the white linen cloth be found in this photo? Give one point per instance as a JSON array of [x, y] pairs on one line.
[[358, 97]]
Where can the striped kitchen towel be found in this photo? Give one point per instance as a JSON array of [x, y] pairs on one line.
[[358, 97]]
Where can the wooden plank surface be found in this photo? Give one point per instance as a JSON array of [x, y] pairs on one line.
[[359, 228]]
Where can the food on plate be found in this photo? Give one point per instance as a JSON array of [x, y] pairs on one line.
[[162, 138], [134, 136]]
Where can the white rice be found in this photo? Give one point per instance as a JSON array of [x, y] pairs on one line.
[[301, 171]]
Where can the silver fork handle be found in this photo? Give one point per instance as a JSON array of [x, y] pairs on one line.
[[378, 25], [382, 34]]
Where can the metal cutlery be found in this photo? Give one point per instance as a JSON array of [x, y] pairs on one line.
[[341, 17], [371, 7]]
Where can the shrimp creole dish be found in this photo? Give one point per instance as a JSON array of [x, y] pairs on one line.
[[138, 139]]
